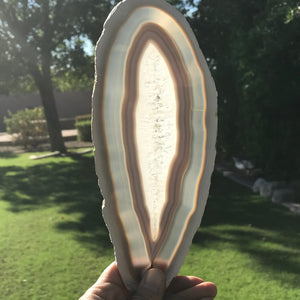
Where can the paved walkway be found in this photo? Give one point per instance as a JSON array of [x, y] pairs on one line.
[[6, 139]]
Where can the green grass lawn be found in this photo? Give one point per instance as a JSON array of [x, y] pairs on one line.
[[54, 244]]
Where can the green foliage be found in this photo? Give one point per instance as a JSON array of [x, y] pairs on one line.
[[11, 85], [43, 39], [253, 50], [27, 126], [69, 81], [74, 69], [35, 33], [83, 126]]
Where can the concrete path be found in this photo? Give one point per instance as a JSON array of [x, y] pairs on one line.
[[6, 139]]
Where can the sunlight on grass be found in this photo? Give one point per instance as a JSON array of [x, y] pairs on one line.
[[54, 244]]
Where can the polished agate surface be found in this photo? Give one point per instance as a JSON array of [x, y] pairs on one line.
[[154, 131]]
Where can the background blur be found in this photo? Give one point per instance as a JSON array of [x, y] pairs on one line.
[[252, 48]]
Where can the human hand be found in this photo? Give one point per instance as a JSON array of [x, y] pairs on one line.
[[110, 286]]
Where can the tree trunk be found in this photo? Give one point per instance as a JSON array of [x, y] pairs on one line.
[[44, 84], [53, 124]]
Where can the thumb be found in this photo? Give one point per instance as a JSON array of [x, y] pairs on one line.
[[152, 286]]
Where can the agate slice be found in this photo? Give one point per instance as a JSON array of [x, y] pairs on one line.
[[154, 131]]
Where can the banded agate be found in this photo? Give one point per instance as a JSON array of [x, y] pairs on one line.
[[154, 131]]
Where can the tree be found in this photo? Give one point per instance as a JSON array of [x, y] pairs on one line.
[[37, 38], [218, 25], [253, 50], [268, 64]]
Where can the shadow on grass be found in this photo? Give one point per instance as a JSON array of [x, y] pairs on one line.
[[269, 233], [7, 154], [265, 231], [72, 186]]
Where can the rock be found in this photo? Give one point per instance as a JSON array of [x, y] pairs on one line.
[[258, 182], [248, 164], [265, 189], [242, 164], [293, 207], [283, 195]]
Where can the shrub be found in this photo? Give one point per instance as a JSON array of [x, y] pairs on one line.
[[86, 117], [84, 130], [27, 126]]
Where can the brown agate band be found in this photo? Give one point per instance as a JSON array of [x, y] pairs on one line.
[[154, 33]]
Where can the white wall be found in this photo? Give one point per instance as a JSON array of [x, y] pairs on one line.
[[69, 104]]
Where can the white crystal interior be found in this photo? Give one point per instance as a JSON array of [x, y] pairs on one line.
[[156, 130]]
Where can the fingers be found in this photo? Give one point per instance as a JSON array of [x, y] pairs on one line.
[[180, 283], [111, 274], [201, 291], [152, 286], [108, 286]]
